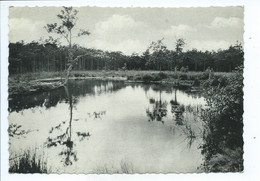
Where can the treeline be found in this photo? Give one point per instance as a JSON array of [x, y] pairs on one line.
[[50, 56]]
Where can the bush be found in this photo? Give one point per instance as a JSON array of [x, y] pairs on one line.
[[183, 77], [130, 77], [204, 76], [196, 83], [174, 76], [183, 69], [138, 78], [217, 81], [228, 161], [148, 78], [159, 76], [223, 129], [162, 75]]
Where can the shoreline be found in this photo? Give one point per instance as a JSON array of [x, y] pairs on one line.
[[22, 84], [48, 84]]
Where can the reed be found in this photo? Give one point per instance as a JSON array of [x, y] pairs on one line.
[[28, 162]]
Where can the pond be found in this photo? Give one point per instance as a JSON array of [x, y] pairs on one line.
[[97, 126]]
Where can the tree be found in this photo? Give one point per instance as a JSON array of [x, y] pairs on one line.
[[68, 18], [158, 53], [179, 44]]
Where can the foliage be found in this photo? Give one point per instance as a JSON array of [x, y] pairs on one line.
[[151, 77], [68, 18], [223, 123], [184, 69], [229, 161], [204, 76], [148, 78], [161, 75], [179, 45], [158, 54], [15, 130], [196, 83]]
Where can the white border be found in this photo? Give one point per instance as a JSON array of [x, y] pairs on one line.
[[251, 89]]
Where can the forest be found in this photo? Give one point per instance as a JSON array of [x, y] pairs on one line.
[[50, 56]]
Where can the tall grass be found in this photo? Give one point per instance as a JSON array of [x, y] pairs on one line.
[[28, 162], [192, 125]]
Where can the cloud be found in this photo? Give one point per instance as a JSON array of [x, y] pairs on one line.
[[208, 45], [179, 31], [117, 22], [117, 27], [220, 22], [126, 46], [119, 33], [25, 29]]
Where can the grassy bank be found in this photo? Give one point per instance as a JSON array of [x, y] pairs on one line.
[[31, 82], [131, 75]]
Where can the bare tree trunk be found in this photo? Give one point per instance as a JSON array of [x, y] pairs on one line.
[[70, 63], [48, 64]]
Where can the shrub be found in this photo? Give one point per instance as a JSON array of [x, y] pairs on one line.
[[228, 161], [196, 83], [130, 77], [217, 81], [148, 78], [183, 69], [174, 76], [138, 78], [223, 129], [183, 77], [204, 76], [162, 75]]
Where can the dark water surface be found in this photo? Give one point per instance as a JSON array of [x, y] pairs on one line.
[[95, 126]]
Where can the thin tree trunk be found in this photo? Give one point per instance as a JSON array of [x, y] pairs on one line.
[[48, 64], [69, 60]]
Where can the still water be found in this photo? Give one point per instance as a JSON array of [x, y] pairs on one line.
[[95, 126]]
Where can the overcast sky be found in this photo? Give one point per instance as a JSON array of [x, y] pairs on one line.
[[132, 29]]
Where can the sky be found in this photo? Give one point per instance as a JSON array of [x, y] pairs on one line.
[[131, 30]]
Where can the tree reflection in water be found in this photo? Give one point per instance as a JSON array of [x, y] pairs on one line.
[[177, 110], [185, 117], [65, 139], [158, 111]]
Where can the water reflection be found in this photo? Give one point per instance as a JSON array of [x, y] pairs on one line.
[[159, 109], [185, 117], [177, 110], [51, 98], [108, 121], [16, 130], [65, 138]]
